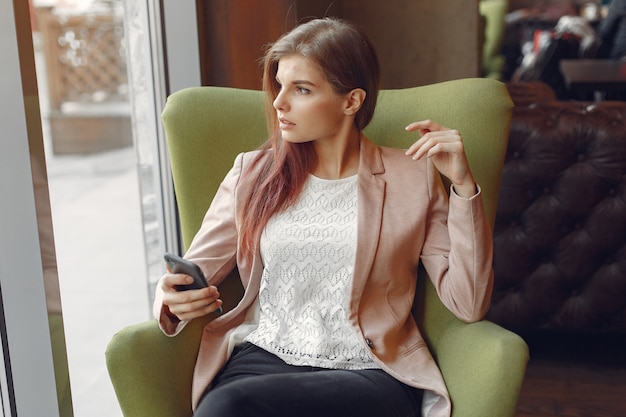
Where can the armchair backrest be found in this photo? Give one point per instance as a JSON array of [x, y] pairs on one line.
[[206, 127]]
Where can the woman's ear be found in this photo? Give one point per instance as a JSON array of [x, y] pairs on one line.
[[355, 99]]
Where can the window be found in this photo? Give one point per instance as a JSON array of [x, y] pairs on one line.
[[111, 203]]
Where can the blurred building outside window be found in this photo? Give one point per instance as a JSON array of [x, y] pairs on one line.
[[99, 128]]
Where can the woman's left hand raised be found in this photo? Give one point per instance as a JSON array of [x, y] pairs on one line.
[[445, 147]]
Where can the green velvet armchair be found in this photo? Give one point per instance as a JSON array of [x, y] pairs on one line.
[[206, 127]]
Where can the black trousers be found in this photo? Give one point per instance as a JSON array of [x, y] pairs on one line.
[[256, 383]]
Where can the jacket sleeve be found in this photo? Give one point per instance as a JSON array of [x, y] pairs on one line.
[[214, 247], [458, 251]]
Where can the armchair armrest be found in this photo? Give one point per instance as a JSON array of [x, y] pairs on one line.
[[152, 373], [483, 365]]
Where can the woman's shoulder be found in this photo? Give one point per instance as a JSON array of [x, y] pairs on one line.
[[248, 165], [249, 158], [389, 159], [396, 158], [391, 152]]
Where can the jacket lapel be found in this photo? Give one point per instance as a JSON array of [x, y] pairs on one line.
[[370, 195]]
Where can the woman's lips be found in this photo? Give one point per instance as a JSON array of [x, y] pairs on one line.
[[284, 123]]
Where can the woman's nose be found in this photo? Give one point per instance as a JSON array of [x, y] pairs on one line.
[[279, 102]]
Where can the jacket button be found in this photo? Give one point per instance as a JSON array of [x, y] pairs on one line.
[[369, 343]]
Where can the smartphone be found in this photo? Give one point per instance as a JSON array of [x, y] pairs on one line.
[[179, 265]]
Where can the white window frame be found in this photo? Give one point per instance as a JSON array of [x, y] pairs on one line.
[[28, 380], [178, 53]]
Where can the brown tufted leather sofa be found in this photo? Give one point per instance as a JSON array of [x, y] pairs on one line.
[[560, 233]]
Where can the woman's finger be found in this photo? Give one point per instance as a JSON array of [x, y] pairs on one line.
[[431, 141], [426, 125]]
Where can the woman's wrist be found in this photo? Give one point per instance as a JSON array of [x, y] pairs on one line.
[[467, 189]]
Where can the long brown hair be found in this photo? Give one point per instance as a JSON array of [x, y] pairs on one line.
[[348, 60]]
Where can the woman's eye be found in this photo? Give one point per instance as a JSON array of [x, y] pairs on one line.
[[303, 90]]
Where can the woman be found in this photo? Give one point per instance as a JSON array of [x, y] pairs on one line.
[[327, 231]]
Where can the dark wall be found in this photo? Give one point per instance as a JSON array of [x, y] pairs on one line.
[[418, 42]]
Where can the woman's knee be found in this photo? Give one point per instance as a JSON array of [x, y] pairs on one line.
[[230, 401]]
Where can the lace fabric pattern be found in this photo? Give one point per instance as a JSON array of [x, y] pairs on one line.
[[308, 252]]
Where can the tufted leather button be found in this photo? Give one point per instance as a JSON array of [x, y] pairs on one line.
[[369, 343], [558, 236]]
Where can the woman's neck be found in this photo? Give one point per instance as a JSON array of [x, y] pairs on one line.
[[338, 159]]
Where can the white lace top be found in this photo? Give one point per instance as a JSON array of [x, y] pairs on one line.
[[308, 253]]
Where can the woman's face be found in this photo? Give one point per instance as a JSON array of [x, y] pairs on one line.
[[307, 107]]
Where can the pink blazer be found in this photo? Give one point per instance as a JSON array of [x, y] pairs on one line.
[[404, 217]]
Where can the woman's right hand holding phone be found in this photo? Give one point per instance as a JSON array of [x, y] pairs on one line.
[[189, 304]]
